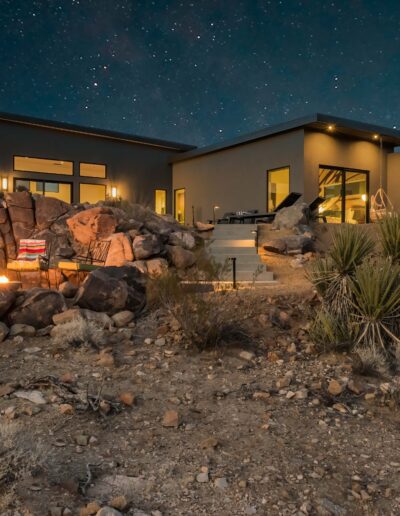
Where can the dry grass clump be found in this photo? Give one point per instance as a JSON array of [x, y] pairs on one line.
[[78, 332], [203, 319]]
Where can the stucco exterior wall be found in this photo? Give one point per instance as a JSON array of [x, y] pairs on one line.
[[136, 169], [235, 178], [335, 150], [393, 179]]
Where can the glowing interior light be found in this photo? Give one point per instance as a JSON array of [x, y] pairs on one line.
[[114, 192], [321, 209], [364, 197], [4, 279], [4, 183]]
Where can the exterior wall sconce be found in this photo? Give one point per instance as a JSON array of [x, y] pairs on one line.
[[376, 136], [215, 208], [331, 127], [4, 184], [114, 192]]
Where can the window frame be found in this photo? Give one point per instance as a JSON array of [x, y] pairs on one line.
[[166, 198], [44, 159], [92, 184], [177, 190], [32, 180], [92, 163], [343, 171], [274, 170]]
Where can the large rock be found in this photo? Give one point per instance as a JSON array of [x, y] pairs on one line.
[[156, 267], [180, 258], [37, 308], [120, 251], [92, 224], [100, 319], [48, 210], [145, 246], [201, 226], [7, 234], [182, 238], [293, 244], [113, 289], [22, 216], [291, 217], [7, 298]]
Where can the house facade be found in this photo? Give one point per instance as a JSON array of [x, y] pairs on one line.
[[80, 164], [343, 161]]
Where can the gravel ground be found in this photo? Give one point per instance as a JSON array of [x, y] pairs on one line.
[[257, 429]]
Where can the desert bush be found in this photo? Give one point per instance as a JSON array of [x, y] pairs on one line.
[[202, 317], [330, 333], [370, 362], [376, 304], [389, 230], [332, 275], [76, 333]]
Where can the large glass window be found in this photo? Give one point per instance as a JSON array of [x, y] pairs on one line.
[[161, 202], [45, 166], [92, 170], [54, 189], [179, 205], [90, 193], [277, 187], [346, 195]]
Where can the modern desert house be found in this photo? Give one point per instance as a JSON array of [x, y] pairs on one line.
[[341, 160], [81, 164]]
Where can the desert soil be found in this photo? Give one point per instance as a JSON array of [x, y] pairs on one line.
[[254, 429]]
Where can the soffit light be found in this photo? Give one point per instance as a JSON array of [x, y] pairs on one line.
[[331, 127]]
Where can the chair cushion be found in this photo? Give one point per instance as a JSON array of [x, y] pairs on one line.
[[74, 266], [24, 265]]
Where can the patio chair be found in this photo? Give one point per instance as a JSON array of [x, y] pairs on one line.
[[313, 208], [289, 200], [33, 256], [95, 258]]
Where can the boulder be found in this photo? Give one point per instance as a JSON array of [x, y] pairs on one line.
[[37, 308], [179, 257], [48, 210], [156, 267], [123, 318], [292, 244], [201, 226], [100, 319], [7, 234], [92, 224], [68, 289], [113, 289], [182, 238], [140, 265], [21, 212], [120, 251], [291, 217], [60, 226], [145, 246], [3, 331], [7, 298], [24, 330]]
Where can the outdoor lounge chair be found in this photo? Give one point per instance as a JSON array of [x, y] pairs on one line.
[[95, 258], [33, 256], [288, 201]]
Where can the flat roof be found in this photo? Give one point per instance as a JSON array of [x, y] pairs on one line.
[[90, 131], [316, 121]]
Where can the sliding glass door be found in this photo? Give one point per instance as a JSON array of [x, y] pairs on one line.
[[179, 205], [346, 195]]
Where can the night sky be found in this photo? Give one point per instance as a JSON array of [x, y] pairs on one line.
[[199, 71]]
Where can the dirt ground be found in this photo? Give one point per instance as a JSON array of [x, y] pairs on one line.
[[251, 433]]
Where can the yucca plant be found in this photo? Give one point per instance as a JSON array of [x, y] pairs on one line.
[[375, 291], [389, 228], [331, 276], [331, 333]]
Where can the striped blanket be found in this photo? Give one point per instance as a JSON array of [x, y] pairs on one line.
[[31, 250]]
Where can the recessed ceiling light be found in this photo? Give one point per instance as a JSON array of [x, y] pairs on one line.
[[376, 136], [331, 127]]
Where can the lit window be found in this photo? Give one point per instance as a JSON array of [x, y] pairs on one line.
[[45, 166], [161, 202], [92, 170], [90, 193], [179, 205], [61, 191], [277, 187]]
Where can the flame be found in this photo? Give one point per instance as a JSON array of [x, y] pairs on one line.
[[4, 279]]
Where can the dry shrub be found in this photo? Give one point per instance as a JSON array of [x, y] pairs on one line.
[[330, 333], [203, 319], [78, 332], [370, 361]]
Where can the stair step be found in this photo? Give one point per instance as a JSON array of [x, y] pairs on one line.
[[232, 251], [249, 276], [232, 242]]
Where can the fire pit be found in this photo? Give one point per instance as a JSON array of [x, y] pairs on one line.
[[6, 284]]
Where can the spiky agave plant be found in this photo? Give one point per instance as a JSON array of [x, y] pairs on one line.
[[331, 276], [376, 304], [389, 229]]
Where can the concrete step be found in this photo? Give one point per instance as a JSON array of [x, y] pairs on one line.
[[232, 251], [266, 276], [232, 242]]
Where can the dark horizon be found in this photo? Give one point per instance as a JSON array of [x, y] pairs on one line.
[[200, 74]]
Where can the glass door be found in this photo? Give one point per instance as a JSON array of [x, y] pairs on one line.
[[346, 195], [61, 191], [179, 205]]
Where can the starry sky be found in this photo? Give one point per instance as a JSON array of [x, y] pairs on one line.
[[199, 71]]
